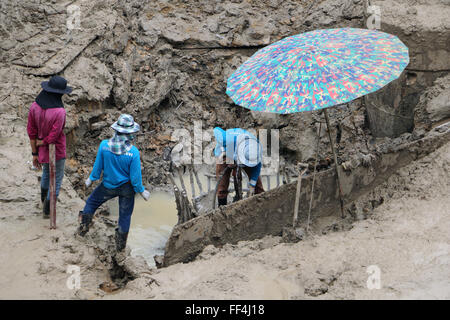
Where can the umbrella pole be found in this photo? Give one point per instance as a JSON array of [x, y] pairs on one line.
[[341, 196], [314, 178]]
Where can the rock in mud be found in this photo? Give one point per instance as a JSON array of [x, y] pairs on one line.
[[292, 235], [434, 104], [90, 78], [315, 287], [135, 266], [159, 260]]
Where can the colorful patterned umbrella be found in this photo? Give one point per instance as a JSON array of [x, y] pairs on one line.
[[317, 69]]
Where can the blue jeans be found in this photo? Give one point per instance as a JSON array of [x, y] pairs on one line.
[[101, 194], [45, 180]]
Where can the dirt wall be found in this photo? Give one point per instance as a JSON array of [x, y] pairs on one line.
[[424, 28]]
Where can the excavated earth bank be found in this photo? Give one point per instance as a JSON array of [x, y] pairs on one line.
[[167, 63]]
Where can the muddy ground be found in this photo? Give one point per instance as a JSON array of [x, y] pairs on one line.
[[406, 237], [167, 63]]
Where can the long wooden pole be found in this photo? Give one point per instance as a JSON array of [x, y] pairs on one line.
[[297, 196], [180, 175], [338, 177], [191, 181], [314, 177], [198, 180], [52, 167]]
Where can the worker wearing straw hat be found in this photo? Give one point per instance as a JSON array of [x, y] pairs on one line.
[[237, 147], [119, 160]]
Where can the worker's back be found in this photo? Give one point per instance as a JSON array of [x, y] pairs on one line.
[[118, 169], [227, 141]]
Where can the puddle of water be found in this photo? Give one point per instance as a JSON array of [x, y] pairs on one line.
[[152, 221], [151, 224]]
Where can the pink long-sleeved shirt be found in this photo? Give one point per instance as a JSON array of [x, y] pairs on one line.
[[48, 125]]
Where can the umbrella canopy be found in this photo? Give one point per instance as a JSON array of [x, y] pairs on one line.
[[317, 69]]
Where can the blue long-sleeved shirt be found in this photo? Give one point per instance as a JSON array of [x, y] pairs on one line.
[[228, 145], [118, 169]]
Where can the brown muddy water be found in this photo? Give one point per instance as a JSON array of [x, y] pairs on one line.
[[151, 224], [153, 220]]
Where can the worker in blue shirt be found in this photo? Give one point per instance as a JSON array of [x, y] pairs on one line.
[[119, 160], [237, 147]]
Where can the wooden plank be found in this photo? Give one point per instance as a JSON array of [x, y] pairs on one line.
[[297, 197], [198, 180], [191, 181], [52, 166]]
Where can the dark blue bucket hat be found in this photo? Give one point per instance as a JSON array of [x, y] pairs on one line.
[[56, 84]]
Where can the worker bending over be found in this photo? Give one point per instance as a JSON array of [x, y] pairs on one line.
[[237, 147]]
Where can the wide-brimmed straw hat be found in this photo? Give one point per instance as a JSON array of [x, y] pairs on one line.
[[56, 84], [126, 124], [248, 151]]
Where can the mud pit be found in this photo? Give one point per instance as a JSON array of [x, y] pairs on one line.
[[406, 236], [158, 62]]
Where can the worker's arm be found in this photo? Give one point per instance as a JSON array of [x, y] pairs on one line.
[[32, 131], [136, 173], [32, 128], [98, 165], [35, 153], [254, 174]]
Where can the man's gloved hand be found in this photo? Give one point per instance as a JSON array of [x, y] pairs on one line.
[[251, 191], [145, 194], [88, 182]]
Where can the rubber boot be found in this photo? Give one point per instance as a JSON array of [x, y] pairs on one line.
[[44, 193], [121, 240], [222, 202], [46, 209], [86, 220]]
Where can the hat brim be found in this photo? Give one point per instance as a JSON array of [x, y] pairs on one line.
[[135, 128], [47, 88], [241, 156]]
